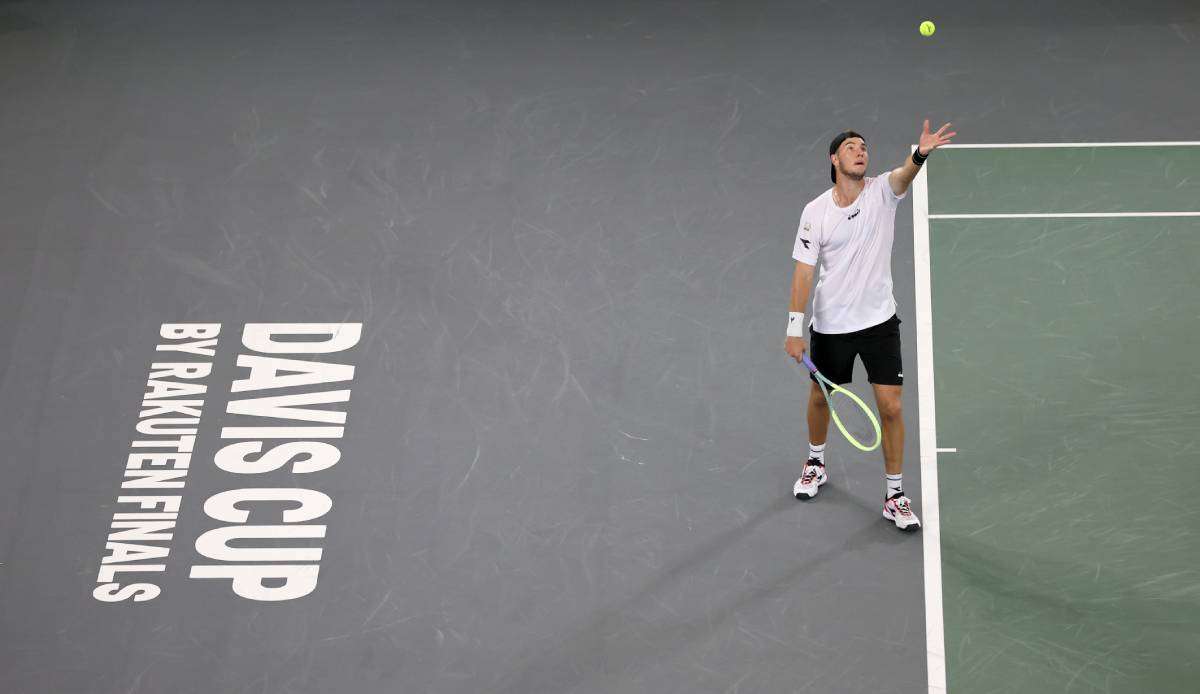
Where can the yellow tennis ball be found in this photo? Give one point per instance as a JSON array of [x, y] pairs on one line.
[[927, 28]]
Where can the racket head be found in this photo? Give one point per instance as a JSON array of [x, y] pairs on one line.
[[835, 389]]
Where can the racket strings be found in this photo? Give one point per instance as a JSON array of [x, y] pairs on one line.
[[861, 412]]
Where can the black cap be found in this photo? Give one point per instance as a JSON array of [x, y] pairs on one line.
[[833, 148]]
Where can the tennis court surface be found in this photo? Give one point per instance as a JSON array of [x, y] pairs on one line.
[[1063, 296], [533, 429]]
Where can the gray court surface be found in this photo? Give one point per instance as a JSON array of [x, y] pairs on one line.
[[564, 230]]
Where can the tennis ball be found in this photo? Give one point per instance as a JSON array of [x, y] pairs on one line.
[[927, 28]]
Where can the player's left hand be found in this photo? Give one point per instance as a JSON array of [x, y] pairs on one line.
[[931, 141]]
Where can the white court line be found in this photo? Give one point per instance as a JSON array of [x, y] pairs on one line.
[[1024, 145], [946, 450], [1063, 215], [935, 640]]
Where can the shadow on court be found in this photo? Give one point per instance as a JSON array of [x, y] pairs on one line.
[[620, 641]]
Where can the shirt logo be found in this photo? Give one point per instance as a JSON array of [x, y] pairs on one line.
[[807, 226], [854, 215], [805, 242]]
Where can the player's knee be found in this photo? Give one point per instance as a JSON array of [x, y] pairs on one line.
[[891, 410]]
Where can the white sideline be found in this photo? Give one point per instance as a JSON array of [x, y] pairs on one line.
[[935, 642]]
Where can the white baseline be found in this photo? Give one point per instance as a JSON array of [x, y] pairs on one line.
[[1062, 215], [1046, 145]]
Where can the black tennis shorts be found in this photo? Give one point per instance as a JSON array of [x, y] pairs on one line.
[[878, 346]]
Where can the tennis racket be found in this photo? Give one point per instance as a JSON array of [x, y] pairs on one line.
[[830, 388]]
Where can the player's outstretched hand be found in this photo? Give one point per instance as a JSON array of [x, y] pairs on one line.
[[931, 141]]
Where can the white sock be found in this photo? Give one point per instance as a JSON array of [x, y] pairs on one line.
[[893, 485], [818, 452]]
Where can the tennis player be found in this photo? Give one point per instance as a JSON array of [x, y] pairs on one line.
[[849, 229]]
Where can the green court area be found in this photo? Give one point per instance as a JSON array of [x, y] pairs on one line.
[[1065, 179], [1067, 381]]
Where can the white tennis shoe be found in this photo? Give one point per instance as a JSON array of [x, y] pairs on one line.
[[898, 509], [810, 480]]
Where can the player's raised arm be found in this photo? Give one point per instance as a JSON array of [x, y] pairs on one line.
[[902, 176]]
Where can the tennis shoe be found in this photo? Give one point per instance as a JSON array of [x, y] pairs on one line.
[[810, 480], [898, 509]]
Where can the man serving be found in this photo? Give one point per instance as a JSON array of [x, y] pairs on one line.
[[849, 229]]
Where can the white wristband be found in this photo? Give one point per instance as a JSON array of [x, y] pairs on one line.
[[795, 324]]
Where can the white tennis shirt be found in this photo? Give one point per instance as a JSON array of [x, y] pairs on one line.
[[854, 244]]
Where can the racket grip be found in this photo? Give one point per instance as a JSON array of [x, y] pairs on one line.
[[808, 362]]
